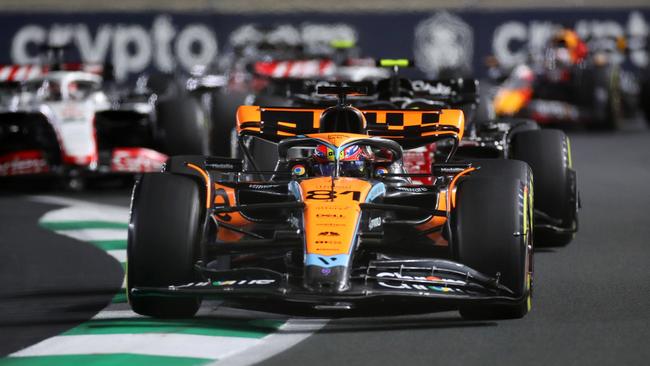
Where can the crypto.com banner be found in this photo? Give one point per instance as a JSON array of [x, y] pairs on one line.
[[137, 42]]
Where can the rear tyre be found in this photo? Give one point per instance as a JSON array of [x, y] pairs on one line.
[[548, 152], [183, 127], [163, 242], [607, 106], [644, 98], [224, 110], [489, 213]]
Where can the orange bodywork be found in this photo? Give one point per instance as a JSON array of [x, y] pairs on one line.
[[437, 221], [332, 213], [288, 121], [225, 196]]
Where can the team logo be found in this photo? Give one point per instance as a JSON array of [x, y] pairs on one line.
[[329, 233], [381, 171], [444, 42], [298, 170]]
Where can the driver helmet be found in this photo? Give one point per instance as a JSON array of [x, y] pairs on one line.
[[352, 160], [73, 90], [567, 47]]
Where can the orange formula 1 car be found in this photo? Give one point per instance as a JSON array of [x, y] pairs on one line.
[[338, 224]]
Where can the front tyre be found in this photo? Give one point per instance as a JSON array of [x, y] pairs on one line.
[[493, 235], [163, 242], [548, 152]]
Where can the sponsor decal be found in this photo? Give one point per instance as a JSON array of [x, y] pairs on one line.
[[374, 222], [550, 109], [242, 282], [326, 215], [448, 170], [330, 224], [422, 86], [294, 221], [228, 283], [295, 68], [329, 233], [220, 166], [132, 47], [419, 286], [325, 261], [191, 284], [333, 208], [298, 170], [24, 162], [72, 112], [263, 186], [413, 189], [330, 242], [137, 160], [317, 38], [381, 171]]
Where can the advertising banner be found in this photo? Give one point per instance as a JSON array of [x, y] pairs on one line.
[[138, 42]]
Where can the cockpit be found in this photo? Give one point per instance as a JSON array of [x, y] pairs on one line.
[[369, 158]]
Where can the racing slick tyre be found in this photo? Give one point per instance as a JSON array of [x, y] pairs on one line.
[[644, 98], [224, 108], [548, 152], [183, 127], [606, 103], [163, 242], [520, 124], [494, 168], [493, 226]]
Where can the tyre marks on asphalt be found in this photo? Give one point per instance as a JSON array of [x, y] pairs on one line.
[[116, 335]]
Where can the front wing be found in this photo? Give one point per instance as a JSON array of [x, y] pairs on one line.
[[441, 281]]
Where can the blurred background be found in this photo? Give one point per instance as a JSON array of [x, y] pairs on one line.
[[229, 53]]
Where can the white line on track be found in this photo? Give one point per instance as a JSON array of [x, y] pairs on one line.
[[291, 333], [159, 344], [82, 210], [119, 254], [95, 234]]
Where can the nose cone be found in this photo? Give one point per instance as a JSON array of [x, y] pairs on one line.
[[326, 279]]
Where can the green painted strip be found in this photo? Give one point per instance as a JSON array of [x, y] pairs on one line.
[[104, 360], [119, 298], [209, 327], [110, 244], [76, 225]]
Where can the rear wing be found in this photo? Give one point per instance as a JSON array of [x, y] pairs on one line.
[[19, 73], [456, 92], [295, 69], [410, 128]]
